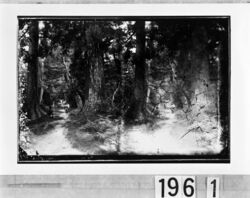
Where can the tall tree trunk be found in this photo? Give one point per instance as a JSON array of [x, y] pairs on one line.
[[96, 79], [87, 82], [34, 110], [138, 107]]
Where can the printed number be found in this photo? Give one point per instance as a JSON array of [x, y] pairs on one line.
[[188, 189], [162, 181], [213, 187], [174, 187], [213, 182]]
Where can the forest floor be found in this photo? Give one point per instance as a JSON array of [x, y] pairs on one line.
[[69, 133]]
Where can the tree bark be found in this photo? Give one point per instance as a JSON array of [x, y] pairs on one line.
[[90, 85], [138, 107], [34, 111], [95, 81]]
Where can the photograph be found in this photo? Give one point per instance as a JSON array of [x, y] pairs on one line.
[[123, 89]]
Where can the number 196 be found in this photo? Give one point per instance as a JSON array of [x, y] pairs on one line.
[[176, 187]]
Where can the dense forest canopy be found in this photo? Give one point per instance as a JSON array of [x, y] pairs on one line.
[[135, 71]]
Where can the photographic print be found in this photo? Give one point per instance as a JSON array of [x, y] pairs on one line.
[[123, 89]]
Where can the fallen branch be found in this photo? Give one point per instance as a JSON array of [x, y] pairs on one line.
[[190, 130]]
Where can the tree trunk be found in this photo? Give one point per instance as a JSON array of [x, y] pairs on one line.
[[138, 107], [86, 85], [95, 81], [33, 109]]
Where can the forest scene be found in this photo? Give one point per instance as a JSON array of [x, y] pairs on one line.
[[123, 86]]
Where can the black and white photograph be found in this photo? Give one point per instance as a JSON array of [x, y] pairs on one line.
[[123, 89]]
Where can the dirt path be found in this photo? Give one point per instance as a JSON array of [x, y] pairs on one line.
[[54, 141], [68, 136]]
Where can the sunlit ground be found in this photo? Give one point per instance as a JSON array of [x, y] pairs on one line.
[[67, 135]]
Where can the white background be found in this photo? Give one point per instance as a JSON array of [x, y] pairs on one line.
[[240, 89]]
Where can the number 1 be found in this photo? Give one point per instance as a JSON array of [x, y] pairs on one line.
[[214, 187], [162, 181]]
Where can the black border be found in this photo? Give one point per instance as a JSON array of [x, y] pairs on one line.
[[223, 157]]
